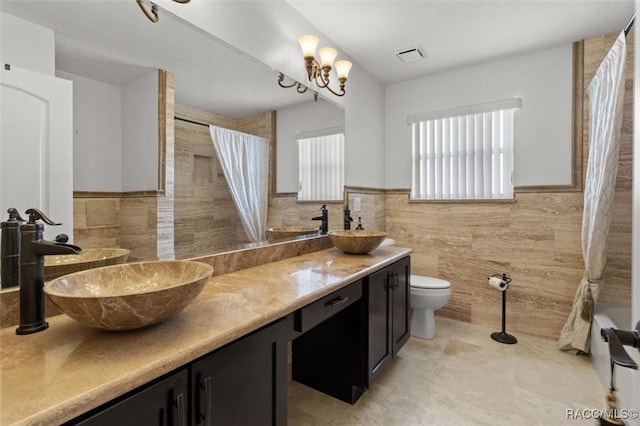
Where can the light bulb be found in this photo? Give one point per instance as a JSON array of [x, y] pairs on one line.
[[308, 43], [342, 69], [327, 56]]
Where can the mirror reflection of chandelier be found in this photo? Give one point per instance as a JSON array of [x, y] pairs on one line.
[[318, 72], [152, 13]]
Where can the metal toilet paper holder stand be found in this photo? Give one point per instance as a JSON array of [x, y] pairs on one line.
[[502, 336]]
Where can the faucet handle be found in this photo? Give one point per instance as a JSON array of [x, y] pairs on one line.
[[617, 353], [61, 238], [14, 214], [35, 214]]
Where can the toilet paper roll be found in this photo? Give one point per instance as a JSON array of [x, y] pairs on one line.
[[497, 282]]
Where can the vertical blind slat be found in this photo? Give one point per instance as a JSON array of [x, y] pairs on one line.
[[430, 187], [446, 155], [416, 171], [486, 154], [471, 162], [453, 148]]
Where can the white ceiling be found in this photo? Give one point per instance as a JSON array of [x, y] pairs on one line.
[[111, 41], [456, 33]]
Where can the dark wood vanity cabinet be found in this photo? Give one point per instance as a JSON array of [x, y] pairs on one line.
[[244, 383], [330, 355], [388, 295], [342, 355], [163, 402], [341, 342]]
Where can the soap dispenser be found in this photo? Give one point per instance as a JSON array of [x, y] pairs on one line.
[[359, 227], [10, 250]]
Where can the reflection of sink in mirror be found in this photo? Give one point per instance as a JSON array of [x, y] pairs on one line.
[[289, 232], [131, 295], [55, 266]]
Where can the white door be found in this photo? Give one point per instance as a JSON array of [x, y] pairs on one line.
[[36, 146]]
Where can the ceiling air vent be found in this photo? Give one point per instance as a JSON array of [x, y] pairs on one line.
[[411, 54]]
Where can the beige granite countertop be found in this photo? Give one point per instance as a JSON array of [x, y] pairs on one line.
[[55, 375]]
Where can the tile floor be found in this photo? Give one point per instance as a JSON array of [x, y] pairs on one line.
[[463, 377]]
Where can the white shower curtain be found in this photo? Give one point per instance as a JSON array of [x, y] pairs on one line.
[[245, 163], [606, 96]]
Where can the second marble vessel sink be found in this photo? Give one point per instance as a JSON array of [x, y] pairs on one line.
[[129, 296], [290, 231], [356, 241], [56, 266]]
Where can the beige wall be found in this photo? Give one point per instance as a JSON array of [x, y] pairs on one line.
[[535, 240]]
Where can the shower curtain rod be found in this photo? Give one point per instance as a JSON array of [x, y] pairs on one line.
[[191, 121], [627, 28]]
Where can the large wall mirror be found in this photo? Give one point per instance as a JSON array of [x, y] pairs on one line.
[[112, 54]]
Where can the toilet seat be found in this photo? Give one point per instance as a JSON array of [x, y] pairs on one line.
[[421, 281]]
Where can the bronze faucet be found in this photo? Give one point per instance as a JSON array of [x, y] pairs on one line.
[[33, 248], [324, 217]]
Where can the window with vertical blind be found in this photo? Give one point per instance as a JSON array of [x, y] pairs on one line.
[[321, 165], [464, 153]]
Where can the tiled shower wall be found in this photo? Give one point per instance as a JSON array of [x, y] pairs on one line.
[[536, 240], [205, 216]]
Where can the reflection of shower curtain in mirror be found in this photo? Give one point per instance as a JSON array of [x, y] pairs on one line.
[[245, 162]]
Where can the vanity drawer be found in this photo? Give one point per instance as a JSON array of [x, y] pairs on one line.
[[313, 314]]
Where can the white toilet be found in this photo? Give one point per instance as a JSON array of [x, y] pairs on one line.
[[427, 295]]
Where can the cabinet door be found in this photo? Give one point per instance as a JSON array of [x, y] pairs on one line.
[[401, 309], [163, 403], [244, 383], [379, 314]]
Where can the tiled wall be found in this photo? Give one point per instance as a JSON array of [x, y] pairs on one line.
[[372, 208], [284, 210], [536, 240], [128, 220], [96, 221]]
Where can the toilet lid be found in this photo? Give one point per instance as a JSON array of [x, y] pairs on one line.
[[420, 281]]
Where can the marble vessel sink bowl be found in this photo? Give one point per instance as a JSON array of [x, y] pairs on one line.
[[130, 295], [56, 266], [357, 242], [288, 232]]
